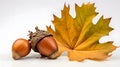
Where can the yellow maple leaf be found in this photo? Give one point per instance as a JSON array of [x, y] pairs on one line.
[[79, 36]]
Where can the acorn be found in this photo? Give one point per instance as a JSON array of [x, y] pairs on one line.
[[20, 48], [43, 42]]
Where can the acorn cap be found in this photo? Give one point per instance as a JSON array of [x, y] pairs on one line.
[[35, 37]]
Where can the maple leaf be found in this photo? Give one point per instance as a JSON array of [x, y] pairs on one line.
[[79, 36]]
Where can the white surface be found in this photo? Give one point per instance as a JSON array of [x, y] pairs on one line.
[[19, 16]]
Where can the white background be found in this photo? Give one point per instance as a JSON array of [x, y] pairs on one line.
[[19, 16]]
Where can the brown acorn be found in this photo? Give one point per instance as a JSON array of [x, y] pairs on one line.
[[43, 42], [20, 48]]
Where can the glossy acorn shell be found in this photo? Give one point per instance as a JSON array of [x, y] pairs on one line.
[[47, 46], [20, 48]]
